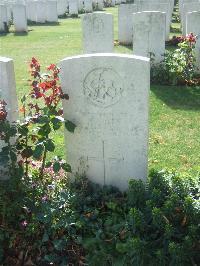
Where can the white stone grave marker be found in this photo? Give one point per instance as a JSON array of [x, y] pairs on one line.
[[125, 26], [3, 18], [193, 25], [8, 94], [149, 34], [51, 11], [41, 11], [73, 7], [109, 98], [98, 32], [20, 18]]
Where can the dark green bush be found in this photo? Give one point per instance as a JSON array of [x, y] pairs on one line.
[[54, 221]]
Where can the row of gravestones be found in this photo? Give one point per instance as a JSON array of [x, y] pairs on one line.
[[41, 11], [147, 36]]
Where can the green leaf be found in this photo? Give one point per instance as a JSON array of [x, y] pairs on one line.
[[56, 167], [49, 145], [66, 167], [59, 244], [57, 122], [44, 130], [43, 119], [39, 149], [23, 130], [23, 99], [70, 126]]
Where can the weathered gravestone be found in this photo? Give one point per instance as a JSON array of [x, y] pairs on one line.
[[31, 10], [8, 94], [98, 32], [88, 6], [3, 18], [61, 7], [181, 3], [73, 7], [20, 18], [149, 34], [51, 11], [109, 98], [99, 4], [162, 7], [193, 25], [125, 26], [188, 7], [41, 11], [80, 5]]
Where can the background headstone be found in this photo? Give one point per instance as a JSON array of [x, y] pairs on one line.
[[193, 25], [51, 11], [149, 34], [20, 18], [125, 25], [188, 7], [98, 32], [3, 18]]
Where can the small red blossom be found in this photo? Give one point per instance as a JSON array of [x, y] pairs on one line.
[[3, 112]]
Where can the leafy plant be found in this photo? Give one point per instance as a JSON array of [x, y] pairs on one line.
[[178, 66]]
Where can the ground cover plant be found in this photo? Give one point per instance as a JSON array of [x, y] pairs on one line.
[[179, 65]]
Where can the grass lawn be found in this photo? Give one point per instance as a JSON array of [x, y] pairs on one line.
[[174, 111]]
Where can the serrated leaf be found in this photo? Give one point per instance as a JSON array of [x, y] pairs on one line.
[[39, 149], [44, 130], [56, 167], [70, 126], [49, 145], [66, 167]]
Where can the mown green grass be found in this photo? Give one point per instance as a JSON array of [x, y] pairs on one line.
[[174, 140]]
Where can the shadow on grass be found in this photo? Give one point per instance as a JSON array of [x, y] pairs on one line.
[[43, 24], [24, 33], [182, 97], [128, 46]]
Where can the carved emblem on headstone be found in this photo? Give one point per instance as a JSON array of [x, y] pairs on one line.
[[103, 86], [98, 25]]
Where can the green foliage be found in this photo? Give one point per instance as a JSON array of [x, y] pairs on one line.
[[60, 222], [178, 66]]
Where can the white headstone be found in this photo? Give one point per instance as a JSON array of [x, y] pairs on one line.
[[154, 6], [61, 7], [80, 5], [73, 7], [32, 10], [41, 11], [19, 18], [51, 11], [109, 98], [99, 5], [112, 3], [98, 33], [193, 25], [181, 3], [188, 7], [149, 34], [88, 6], [125, 26], [3, 18], [8, 94]]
